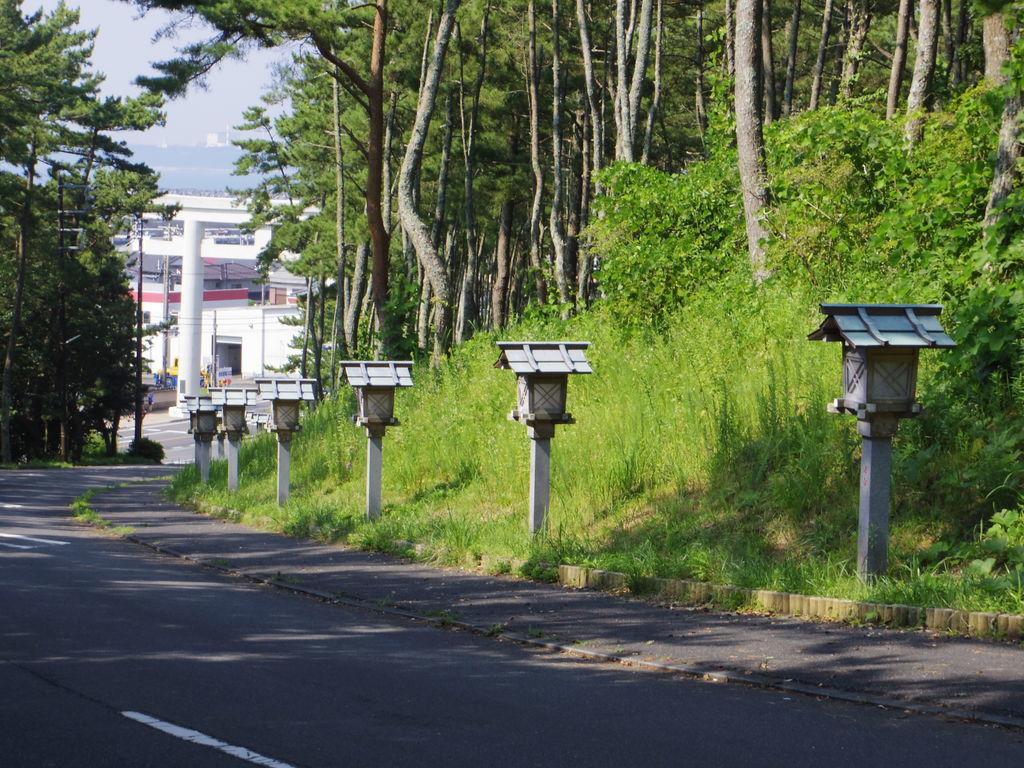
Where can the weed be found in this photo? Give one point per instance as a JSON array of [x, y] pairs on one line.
[[444, 617]]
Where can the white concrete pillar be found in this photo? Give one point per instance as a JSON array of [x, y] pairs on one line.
[[374, 467], [204, 461], [232, 447], [540, 481], [873, 528], [284, 469], [190, 313]]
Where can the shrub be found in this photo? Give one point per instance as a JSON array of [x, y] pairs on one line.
[[144, 448]]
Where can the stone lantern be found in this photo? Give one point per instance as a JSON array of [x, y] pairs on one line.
[[286, 397], [232, 402], [542, 371], [203, 427], [375, 383], [881, 343]]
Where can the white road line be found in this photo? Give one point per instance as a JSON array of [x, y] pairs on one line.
[[14, 546], [207, 741], [12, 506], [33, 538]]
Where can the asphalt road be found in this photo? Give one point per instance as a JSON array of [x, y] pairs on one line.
[[171, 432], [112, 655]]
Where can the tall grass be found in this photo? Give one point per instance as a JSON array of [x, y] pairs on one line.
[[702, 452]]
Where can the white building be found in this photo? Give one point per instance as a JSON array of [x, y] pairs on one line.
[[241, 330]]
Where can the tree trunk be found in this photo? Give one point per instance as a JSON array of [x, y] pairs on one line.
[[652, 109], [628, 88], [899, 59], [962, 25], [556, 221], [354, 304], [860, 22], [840, 52], [643, 54], [1006, 176], [417, 230], [468, 311], [749, 138], [318, 348], [819, 65], [924, 71], [379, 234], [730, 44], [949, 43], [623, 151], [794, 32], [995, 39], [590, 84], [533, 74], [700, 104], [768, 62], [584, 260], [499, 290], [339, 232]]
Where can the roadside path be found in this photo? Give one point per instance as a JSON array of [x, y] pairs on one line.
[[925, 671]]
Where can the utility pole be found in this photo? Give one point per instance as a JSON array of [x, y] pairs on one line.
[[166, 317], [213, 352], [62, 330], [138, 336]]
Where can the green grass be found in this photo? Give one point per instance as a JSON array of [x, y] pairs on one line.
[[81, 509], [705, 453]]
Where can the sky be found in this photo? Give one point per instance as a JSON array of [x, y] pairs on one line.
[[125, 47]]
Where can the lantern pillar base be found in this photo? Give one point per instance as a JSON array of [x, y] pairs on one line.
[[284, 466], [374, 471], [232, 448], [203, 459], [873, 527], [540, 477]]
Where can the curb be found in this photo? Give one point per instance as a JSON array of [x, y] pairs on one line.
[[681, 591], [804, 607]]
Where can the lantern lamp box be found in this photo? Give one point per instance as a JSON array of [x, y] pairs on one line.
[[542, 369], [202, 414], [232, 402], [881, 343], [286, 395], [375, 382]]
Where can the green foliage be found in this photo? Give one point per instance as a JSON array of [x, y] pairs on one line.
[[662, 237], [66, 185], [144, 448], [702, 447]]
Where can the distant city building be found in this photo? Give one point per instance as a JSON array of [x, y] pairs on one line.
[[244, 324]]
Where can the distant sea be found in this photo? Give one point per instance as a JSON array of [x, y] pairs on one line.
[[193, 168]]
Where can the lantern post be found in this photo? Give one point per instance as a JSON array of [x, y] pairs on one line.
[[232, 402], [542, 371], [375, 383], [203, 426], [881, 343], [286, 397]]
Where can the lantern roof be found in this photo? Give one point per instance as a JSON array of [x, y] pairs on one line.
[[287, 389], [525, 357], [195, 403], [378, 373], [883, 325], [233, 396]]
